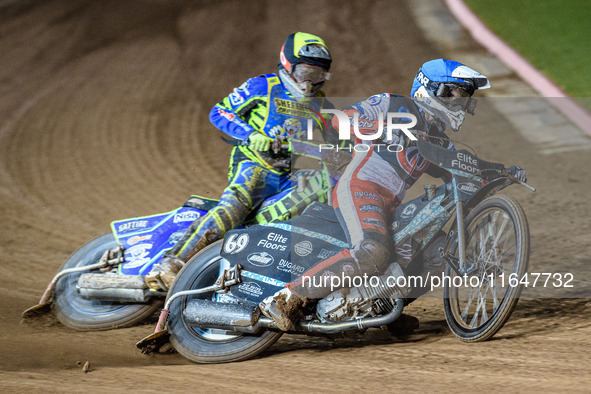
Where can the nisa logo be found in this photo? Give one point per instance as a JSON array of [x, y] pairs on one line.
[[260, 259], [187, 216]]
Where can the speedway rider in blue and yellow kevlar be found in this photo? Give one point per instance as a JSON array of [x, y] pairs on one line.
[[262, 109]]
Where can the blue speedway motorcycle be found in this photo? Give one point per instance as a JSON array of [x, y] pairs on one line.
[[101, 285], [459, 238]]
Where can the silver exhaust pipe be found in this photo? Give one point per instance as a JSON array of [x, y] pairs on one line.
[[246, 318], [120, 288], [230, 317]]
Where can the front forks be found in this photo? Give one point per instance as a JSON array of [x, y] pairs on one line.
[[458, 264]]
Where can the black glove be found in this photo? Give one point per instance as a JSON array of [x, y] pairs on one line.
[[518, 173]]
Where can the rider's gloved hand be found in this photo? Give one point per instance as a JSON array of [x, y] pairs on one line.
[[259, 142], [518, 173]]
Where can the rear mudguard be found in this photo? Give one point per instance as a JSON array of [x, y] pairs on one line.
[[274, 254], [145, 239]]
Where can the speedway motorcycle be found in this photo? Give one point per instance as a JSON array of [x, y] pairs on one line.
[[460, 230], [101, 286]]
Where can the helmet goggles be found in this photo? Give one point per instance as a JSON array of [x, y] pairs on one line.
[[314, 74], [456, 96]]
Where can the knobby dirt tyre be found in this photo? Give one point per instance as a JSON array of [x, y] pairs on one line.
[[90, 315], [209, 345], [497, 239]]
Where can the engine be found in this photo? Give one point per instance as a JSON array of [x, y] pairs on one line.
[[363, 301]]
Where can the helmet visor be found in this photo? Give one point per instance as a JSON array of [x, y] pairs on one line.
[[457, 97], [306, 72], [454, 90]]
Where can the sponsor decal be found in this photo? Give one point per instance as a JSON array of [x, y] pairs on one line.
[[374, 100], [366, 195], [288, 266], [366, 124], [274, 241], [468, 187], [195, 200], [138, 238], [404, 252], [235, 243], [262, 278], [409, 211], [395, 226], [423, 79], [371, 208], [188, 216], [129, 226], [293, 108], [137, 255], [135, 263], [236, 98], [260, 259], [374, 222], [175, 237], [324, 254], [303, 248], [293, 127], [244, 88], [309, 233], [465, 162], [228, 115], [250, 288]]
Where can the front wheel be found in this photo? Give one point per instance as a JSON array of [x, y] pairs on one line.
[[209, 345], [91, 315], [497, 248]]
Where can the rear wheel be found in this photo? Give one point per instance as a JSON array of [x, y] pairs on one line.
[[90, 315], [209, 345], [497, 246]]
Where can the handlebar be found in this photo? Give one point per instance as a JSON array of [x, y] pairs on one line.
[[515, 180]]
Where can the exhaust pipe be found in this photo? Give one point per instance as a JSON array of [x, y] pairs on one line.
[[353, 325], [225, 316], [246, 318], [120, 288]]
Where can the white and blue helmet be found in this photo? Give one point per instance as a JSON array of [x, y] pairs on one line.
[[443, 89]]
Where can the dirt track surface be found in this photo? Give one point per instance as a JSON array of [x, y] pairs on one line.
[[103, 109]]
